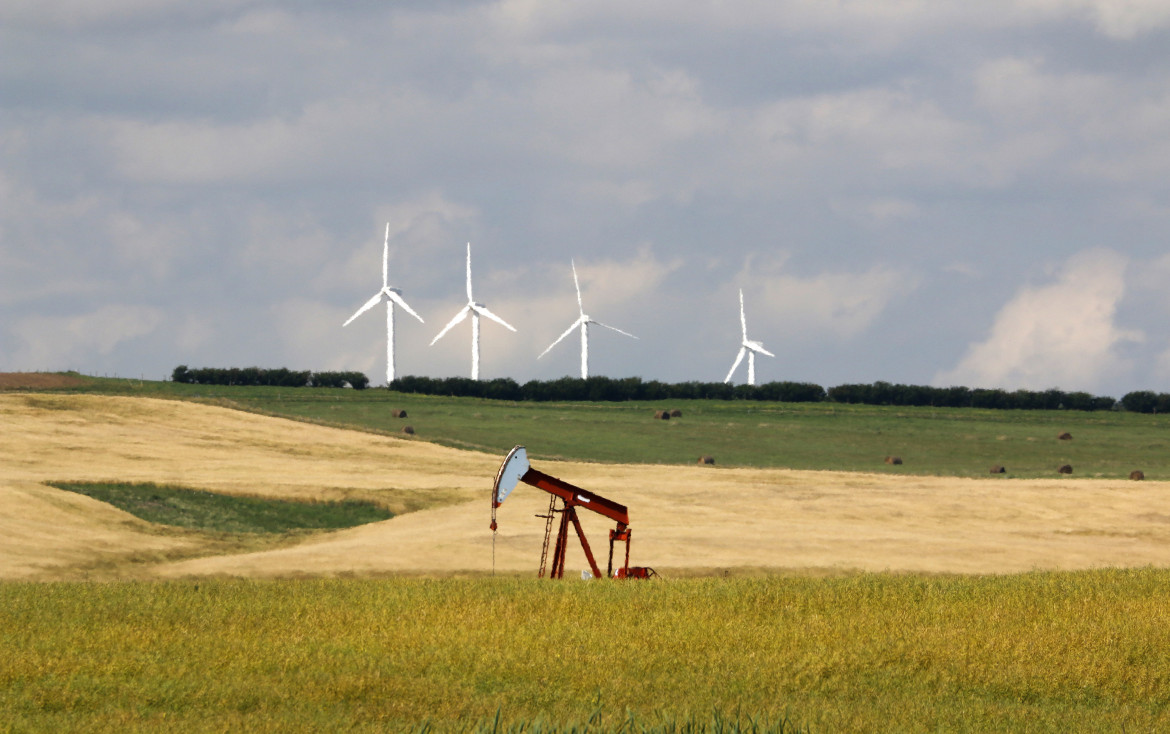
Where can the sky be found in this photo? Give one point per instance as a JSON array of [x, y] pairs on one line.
[[937, 192]]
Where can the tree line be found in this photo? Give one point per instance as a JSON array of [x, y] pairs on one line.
[[877, 393], [608, 389], [278, 377]]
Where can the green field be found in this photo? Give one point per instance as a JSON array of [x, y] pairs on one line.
[[930, 441], [868, 652], [211, 511]]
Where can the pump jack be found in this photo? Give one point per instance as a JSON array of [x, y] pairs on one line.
[[517, 469]]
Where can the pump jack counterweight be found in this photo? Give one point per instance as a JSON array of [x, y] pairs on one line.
[[517, 469]]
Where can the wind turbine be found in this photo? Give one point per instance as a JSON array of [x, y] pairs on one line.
[[582, 321], [748, 347], [476, 310], [392, 296]]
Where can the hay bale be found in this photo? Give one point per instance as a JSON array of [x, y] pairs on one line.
[[1066, 436], [1137, 475], [707, 460], [408, 430], [1065, 469], [398, 413], [894, 460], [997, 469], [663, 415], [675, 413]]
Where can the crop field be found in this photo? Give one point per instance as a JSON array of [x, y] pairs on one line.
[[796, 594], [1040, 652]]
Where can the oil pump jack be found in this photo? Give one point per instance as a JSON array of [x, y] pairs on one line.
[[517, 469]]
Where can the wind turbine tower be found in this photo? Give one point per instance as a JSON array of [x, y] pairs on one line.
[[392, 296], [475, 310], [748, 347], [583, 322]]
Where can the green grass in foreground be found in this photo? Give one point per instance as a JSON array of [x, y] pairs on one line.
[[868, 652], [214, 512]]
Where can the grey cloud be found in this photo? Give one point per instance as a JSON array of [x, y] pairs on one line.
[[884, 180]]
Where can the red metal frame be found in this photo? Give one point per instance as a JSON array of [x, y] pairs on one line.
[[571, 498]]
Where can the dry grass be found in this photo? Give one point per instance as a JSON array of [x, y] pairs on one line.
[[686, 519]]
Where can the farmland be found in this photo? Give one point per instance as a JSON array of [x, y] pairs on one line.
[[862, 652], [953, 442], [923, 596]]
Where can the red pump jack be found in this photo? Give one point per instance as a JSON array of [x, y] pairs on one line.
[[517, 469]]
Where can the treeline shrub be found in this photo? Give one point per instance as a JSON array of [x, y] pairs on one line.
[[279, 377], [607, 389], [884, 393], [1146, 401]]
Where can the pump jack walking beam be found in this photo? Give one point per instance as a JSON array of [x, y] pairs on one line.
[[517, 469]]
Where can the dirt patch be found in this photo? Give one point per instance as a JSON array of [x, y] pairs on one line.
[[39, 380]]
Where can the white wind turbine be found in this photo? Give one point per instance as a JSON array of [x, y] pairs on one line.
[[582, 321], [392, 296], [748, 347], [476, 310]]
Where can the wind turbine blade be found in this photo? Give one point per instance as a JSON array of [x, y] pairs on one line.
[[458, 317], [561, 337], [399, 300], [470, 299], [483, 311], [614, 328], [365, 307], [386, 259], [738, 359], [759, 349], [742, 319], [577, 285]]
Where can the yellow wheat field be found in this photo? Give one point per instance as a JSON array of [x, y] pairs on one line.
[[685, 519]]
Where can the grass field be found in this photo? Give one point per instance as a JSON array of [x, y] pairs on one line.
[[816, 436], [1033, 652], [222, 513], [804, 630]]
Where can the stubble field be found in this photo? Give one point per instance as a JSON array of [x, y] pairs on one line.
[[686, 519]]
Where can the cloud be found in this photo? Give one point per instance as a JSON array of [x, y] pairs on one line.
[[1058, 335], [55, 342], [74, 14], [831, 305], [1125, 19]]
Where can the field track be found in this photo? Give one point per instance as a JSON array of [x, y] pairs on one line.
[[685, 519]]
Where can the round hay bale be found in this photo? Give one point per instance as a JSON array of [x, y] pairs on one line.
[[1065, 469], [894, 460], [1137, 475], [663, 415], [408, 430], [1066, 436], [398, 413], [997, 469], [675, 413], [707, 460]]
